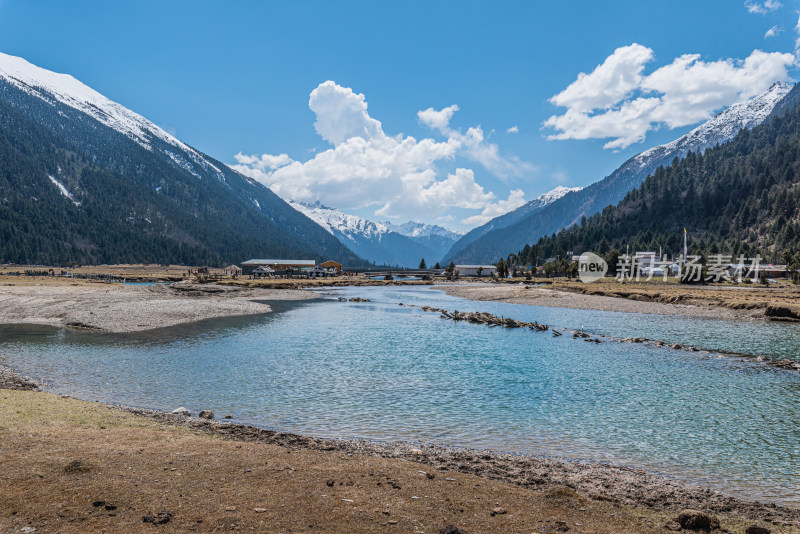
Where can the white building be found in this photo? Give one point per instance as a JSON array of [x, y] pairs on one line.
[[475, 270]]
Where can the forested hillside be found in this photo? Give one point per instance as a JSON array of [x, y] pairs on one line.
[[569, 209], [73, 189], [739, 198]]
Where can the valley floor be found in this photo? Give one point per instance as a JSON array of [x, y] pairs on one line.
[[62, 457]]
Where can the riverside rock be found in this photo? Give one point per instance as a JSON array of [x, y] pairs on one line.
[[181, 411], [696, 520], [206, 414]]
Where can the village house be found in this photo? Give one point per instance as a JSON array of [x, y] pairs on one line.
[[297, 266], [475, 270]]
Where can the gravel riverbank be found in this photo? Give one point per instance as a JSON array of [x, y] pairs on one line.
[[553, 298], [121, 308]]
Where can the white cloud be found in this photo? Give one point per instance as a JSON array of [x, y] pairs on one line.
[[366, 168], [762, 8], [513, 129], [797, 42], [614, 79], [264, 163], [618, 101], [516, 198], [772, 32], [473, 144], [341, 114], [438, 120]]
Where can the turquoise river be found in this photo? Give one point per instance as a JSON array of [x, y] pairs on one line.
[[381, 371]]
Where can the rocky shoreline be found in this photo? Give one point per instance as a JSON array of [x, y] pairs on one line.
[[599, 481], [10, 379]]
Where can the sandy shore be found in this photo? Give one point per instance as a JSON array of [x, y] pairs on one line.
[[121, 308], [554, 298]]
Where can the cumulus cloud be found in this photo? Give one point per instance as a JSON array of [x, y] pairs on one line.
[[473, 144], [516, 198], [616, 78], [366, 168], [438, 120], [762, 8], [513, 129], [772, 32], [618, 100]]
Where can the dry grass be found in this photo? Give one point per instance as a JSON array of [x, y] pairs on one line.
[[142, 467], [733, 296]]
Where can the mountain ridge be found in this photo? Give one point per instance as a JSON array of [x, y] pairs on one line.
[[83, 179], [383, 243], [507, 219], [570, 208]]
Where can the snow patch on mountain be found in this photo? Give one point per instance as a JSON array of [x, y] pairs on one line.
[[722, 127], [63, 190], [51, 86], [552, 195]]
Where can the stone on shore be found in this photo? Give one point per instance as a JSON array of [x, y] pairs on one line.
[[181, 411], [696, 520], [206, 414]]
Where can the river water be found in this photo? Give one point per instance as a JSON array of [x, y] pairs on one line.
[[382, 371]]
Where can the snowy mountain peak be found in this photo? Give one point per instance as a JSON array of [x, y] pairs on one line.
[[724, 125], [418, 229], [63, 88], [382, 243], [333, 220], [553, 195]]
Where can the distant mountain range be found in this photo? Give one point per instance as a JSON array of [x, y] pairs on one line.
[[507, 219], [83, 179], [382, 243], [570, 208]]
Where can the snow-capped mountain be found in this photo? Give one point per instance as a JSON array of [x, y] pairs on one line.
[[572, 206], [85, 179], [418, 229], [720, 128], [63, 88], [511, 217], [383, 243], [333, 220]]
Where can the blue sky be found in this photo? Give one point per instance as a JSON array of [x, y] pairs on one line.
[[236, 78]]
